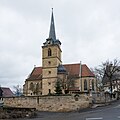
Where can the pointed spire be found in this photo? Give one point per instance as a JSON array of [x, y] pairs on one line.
[[52, 28]]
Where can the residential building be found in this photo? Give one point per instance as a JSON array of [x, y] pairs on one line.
[[6, 92]]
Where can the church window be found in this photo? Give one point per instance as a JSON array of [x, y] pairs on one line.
[[49, 52], [92, 85], [85, 84], [41, 84], [37, 88], [31, 86]]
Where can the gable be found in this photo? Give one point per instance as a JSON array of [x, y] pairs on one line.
[[7, 92]]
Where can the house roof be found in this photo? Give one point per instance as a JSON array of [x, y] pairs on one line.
[[72, 69], [7, 92]]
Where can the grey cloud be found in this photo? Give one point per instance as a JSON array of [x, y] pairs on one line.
[[89, 31]]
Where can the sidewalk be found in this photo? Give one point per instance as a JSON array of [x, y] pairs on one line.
[[103, 103]]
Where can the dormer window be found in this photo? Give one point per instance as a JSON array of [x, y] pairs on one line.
[[49, 52]]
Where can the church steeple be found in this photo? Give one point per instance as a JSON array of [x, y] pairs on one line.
[[52, 34], [51, 59]]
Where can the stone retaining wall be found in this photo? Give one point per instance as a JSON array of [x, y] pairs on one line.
[[49, 103]]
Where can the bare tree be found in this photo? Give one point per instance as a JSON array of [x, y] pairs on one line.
[[99, 76], [35, 88], [17, 90], [70, 82], [108, 71]]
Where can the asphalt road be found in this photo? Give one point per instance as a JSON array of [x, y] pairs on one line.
[[110, 112]]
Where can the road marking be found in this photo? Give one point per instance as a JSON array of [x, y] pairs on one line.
[[118, 106], [119, 117], [91, 111], [94, 118]]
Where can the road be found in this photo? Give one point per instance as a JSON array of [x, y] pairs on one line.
[[110, 112]]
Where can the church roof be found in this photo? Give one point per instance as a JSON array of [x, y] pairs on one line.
[[72, 69], [35, 74], [61, 69]]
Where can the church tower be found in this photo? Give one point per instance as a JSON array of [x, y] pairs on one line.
[[51, 59]]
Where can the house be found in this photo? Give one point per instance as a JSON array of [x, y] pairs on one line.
[[114, 82], [6, 92], [75, 77], [1, 91]]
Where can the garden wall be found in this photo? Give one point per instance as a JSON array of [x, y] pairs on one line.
[[49, 103]]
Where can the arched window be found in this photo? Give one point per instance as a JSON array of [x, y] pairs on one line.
[[37, 88], [93, 85], [41, 85], [31, 86], [49, 52], [85, 84]]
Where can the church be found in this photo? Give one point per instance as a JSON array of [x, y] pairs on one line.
[[73, 78]]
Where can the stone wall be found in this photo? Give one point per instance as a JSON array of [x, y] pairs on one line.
[[49, 103]]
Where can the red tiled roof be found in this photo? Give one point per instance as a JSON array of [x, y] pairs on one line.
[[86, 71], [72, 69], [7, 92], [36, 73]]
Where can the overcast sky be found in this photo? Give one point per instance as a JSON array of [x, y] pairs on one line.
[[88, 29]]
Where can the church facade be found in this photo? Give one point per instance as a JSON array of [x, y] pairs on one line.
[[73, 78]]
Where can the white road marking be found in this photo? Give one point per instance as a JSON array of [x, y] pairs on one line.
[[118, 106], [119, 117], [94, 118]]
